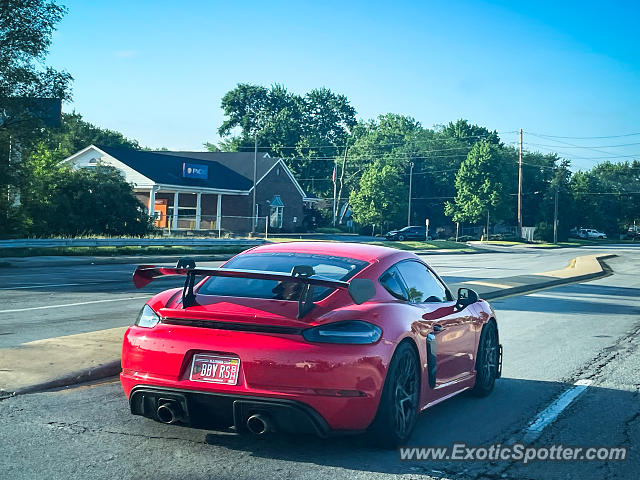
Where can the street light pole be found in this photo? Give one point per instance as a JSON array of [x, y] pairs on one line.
[[555, 219], [410, 186], [254, 213], [520, 187]]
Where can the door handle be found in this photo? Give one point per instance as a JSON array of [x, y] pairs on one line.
[[438, 328]]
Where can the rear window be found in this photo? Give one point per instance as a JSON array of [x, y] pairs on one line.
[[335, 268]]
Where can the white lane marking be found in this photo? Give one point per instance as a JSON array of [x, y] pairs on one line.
[[45, 285], [460, 271], [74, 304], [549, 414]]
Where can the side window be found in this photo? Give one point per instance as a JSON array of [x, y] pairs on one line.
[[422, 285], [392, 282]]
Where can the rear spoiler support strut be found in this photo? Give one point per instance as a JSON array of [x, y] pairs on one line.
[[360, 289]]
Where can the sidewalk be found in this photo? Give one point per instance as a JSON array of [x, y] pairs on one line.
[[56, 362], [580, 269]]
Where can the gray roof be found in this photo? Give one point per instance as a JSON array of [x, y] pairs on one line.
[[166, 169], [239, 162]]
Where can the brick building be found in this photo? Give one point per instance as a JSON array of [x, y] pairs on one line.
[[207, 190]]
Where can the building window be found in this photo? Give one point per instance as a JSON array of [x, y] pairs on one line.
[[183, 212], [275, 212], [275, 218]]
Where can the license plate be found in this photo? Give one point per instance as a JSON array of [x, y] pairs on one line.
[[215, 369]]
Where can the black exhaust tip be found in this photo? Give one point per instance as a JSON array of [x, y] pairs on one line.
[[169, 412], [258, 424]]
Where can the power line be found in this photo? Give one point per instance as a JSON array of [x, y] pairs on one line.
[[606, 193], [583, 138], [594, 149], [274, 147], [568, 155], [386, 157], [432, 198], [574, 157], [588, 147]]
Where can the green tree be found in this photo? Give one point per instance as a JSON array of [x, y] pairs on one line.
[[480, 186], [26, 29], [605, 197], [558, 177], [307, 131], [382, 197], [75, 133], [468, 133], [87, 201], [387, 139], [211, 147]]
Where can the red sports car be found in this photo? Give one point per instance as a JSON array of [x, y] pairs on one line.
[[312, 337]]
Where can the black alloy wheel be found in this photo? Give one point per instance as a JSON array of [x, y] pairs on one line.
[[487, 360], [398, 409]]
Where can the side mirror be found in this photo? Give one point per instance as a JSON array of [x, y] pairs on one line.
[[361, 290], [466, 297]]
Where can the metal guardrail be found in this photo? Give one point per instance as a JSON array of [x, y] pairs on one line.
[[123, 242]]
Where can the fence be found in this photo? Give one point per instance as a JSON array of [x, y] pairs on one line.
[[211, 225], [122, 242], [478, 231]]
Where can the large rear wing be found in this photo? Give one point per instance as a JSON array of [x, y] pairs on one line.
[[360, 290]]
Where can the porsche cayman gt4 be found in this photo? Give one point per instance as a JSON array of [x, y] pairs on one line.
[[307, 337]]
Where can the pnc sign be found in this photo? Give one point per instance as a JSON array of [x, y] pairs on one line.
[[192, 170]]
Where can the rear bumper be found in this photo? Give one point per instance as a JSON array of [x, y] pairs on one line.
[[210, 410], [341, 383]]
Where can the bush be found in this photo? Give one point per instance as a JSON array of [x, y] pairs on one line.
[[88, 201], [328, 230], [464, 238], [506, 237], [544, 231]]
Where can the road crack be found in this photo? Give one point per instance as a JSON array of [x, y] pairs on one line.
[[78, 429]]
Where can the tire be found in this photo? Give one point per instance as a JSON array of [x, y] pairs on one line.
[[398, 409], [401, 238], [487, 360]]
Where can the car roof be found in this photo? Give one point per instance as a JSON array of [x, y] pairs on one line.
[[357, 251]]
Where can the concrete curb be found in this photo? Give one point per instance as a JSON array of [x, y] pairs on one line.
[[505, 292], [452, 252], [112, 368], [106, 370]]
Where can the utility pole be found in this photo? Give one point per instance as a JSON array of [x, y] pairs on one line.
[[410, 186], [487, 239], [555, 219], [340, 215], [520, 187], [254, 213], [333, 177]]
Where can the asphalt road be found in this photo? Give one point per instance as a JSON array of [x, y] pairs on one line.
[[37, 303], [551, 340]]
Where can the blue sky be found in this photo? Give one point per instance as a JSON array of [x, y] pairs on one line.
[[157, 70]]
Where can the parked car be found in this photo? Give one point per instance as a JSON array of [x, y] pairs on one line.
[[302, 338], [591, 233], [407, 233]]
